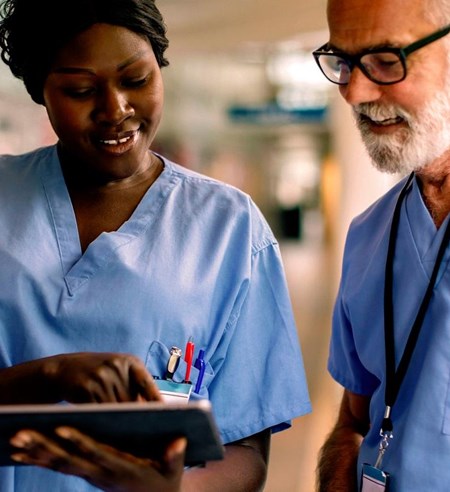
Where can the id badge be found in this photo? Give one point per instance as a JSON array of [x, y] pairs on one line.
[[374, 479]]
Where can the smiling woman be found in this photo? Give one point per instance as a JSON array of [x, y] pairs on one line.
[[112, 254], [109, 95], [105, 103]]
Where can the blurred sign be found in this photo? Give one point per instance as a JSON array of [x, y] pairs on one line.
[[275, 114]]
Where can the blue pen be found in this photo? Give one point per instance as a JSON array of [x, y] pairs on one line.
[[200, 365]]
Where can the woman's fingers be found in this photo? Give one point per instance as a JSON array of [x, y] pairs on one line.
[[105, 467]]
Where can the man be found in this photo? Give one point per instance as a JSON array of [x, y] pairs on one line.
[[390, 345]]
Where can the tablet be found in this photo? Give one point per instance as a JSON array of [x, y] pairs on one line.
[[140, 428]]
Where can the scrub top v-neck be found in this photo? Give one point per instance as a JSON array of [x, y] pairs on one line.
[[78, 267]]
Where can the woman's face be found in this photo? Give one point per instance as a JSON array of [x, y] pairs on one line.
[[104, 98]]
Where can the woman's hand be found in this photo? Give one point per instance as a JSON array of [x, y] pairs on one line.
[[99, 377], [102, 466], [78, 378]]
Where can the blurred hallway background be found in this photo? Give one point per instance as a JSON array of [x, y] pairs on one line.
[[293, 457], [245, 103]]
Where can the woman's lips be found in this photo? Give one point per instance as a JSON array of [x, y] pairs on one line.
[[118, 144], [115, 142]]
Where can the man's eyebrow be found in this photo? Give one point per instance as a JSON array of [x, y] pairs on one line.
[[89, 71], [332, 47], [368, 49]]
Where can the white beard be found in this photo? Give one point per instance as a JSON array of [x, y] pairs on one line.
[[426, 137]]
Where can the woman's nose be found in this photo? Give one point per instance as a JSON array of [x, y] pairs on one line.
[[113, 107]]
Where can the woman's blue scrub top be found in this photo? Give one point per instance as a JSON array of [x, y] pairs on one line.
[[196, 258]]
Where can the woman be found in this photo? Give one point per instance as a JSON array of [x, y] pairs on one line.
[[110, 254]]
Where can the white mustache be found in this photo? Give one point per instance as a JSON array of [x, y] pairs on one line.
[[377, 112]]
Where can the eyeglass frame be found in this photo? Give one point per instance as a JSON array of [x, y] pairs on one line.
[[355, 60]]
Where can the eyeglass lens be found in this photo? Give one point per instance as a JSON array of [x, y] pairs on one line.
[[383, 67]]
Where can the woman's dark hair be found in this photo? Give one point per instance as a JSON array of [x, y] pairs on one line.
[[32, 31]]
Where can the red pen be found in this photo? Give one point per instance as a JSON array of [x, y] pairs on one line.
[[189, 357]]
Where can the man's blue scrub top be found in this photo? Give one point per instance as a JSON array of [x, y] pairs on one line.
[[195, 259], [418, 456]]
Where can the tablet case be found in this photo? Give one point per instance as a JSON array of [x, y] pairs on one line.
[[142, 429]]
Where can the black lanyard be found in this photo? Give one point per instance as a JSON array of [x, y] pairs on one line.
[[394, 378]]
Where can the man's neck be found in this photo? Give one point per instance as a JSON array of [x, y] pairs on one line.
[[434, 182]]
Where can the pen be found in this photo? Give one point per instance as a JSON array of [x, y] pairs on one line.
[[200, 365], [189, 357], [172, 364]]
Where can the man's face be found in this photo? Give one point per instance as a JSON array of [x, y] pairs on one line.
[[404, 126]]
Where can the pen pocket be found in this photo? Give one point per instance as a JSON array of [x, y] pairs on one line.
[[156, 363]]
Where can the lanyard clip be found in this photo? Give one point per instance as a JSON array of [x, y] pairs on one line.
[[384, 443], [386, 434]]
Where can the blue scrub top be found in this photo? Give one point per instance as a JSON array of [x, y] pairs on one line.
[[196, 258], [418, 456]]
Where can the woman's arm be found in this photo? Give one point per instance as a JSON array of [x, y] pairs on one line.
[[244, 467]]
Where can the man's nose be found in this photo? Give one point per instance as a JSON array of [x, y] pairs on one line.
[[360, 89]]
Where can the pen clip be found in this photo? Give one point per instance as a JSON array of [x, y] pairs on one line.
[[172, 364]]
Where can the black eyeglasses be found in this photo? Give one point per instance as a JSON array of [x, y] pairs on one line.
[[383, 66]]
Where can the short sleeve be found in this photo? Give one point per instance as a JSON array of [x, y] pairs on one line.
[[261, 383], [344, 364]]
